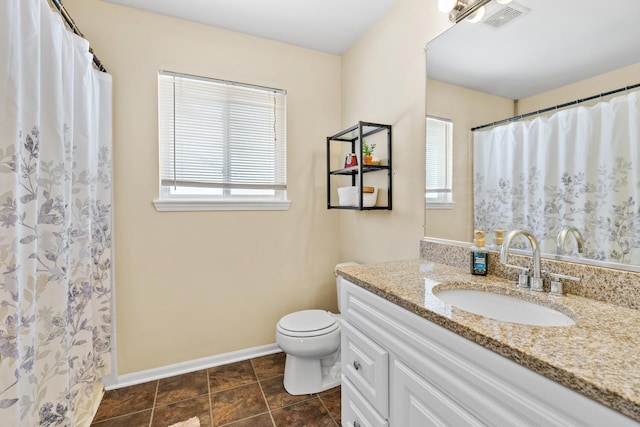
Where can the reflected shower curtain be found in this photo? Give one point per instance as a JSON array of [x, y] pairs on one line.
[[579, 167], [55, 220]]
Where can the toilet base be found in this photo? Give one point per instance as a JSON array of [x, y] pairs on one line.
[[307, 376]]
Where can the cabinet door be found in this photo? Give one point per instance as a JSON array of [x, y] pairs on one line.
[[366, 364], [416, 402], [356, 411]]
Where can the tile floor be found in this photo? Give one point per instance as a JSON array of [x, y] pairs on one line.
[[242, 394]]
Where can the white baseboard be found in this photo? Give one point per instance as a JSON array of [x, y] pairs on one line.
[[188, 366]]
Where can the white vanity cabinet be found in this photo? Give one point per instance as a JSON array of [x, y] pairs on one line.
[[401, 370]]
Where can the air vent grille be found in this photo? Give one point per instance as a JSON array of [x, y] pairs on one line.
[[505, 15]]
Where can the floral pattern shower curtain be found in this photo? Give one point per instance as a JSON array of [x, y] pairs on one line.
[[55, 220], [579, 167]]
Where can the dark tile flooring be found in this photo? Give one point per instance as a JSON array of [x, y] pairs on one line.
[[242, 394]]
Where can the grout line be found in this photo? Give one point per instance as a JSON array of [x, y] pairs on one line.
[[243, 419], [155, 398], [156, 405], [253, 368], [270, 378], [210, 398], [119, 416], [308, 398], [273, 421], [232, 388], [327, 409], [264, 396]]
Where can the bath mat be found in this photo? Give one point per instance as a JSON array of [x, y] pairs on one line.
[[191, 422]]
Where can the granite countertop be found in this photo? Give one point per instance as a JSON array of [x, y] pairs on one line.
[[599, 356]]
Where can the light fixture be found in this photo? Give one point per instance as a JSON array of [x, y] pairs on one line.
[[447, 6], [461, 9], [504, 1], [476, 16]]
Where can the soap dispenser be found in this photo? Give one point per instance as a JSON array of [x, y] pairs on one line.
[[479, 255], [498, 239]]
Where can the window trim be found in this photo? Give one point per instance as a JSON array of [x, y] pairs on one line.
[[443, 202], [244, 204], [179, 203], [440, 205]]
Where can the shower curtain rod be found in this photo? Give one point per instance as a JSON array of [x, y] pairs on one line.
[[72, 25], [545, 110]]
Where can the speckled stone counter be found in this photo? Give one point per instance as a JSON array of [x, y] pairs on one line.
[[599, 356], [604, 284]]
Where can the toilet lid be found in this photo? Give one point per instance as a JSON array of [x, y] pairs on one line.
[[307, 321]]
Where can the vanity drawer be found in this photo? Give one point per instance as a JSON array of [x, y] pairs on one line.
[[356, 412], [416, 401], [366, 365]]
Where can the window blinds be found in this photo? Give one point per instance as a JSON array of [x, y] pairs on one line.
[[439, 160], [220, 134]]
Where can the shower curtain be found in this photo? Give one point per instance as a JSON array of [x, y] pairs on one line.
[[55, 221], [579, 167]]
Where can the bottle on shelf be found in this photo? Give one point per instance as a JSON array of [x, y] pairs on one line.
[[351, 160]]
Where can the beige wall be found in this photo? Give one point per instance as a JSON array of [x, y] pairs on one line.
[[193, 285], [622, 77], [383, 81], [466, 108], [197, 284]]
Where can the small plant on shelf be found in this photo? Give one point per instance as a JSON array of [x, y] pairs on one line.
[[367, 151]]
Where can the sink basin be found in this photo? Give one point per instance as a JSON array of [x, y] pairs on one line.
[[504, 307]]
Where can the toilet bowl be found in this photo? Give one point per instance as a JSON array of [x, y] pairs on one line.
[[311, 340]]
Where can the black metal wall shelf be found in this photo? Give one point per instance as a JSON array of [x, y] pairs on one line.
[[354, 170], [354, 135]]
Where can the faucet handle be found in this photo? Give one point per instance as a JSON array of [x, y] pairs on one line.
[[556, 285], [564, 276], [523, 277]]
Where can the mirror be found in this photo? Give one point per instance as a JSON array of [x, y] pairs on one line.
[[533, 55]]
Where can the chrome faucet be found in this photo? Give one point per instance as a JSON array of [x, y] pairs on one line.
[[536, 282], [562, 237]]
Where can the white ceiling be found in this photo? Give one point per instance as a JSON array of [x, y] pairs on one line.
[[557, 43], [330, 26]]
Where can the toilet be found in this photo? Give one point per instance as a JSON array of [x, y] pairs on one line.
[[311, 340]]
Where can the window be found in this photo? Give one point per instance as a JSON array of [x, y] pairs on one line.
[[222, 145], [439, 163]]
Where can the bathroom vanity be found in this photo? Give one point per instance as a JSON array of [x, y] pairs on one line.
[[409, 359]]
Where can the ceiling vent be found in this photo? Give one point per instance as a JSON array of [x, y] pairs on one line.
[[505, 15]]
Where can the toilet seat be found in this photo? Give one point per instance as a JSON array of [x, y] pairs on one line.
[[308, 323]]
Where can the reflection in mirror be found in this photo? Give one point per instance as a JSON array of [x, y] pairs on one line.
[[561, 241], [553, 53], [574, 169]]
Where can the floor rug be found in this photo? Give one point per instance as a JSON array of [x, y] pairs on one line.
[[191, 422]]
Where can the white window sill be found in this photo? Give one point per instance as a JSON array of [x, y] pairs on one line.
[[220, 205], [440, 205]]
